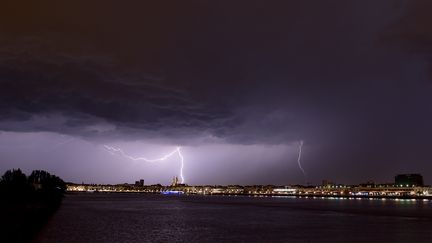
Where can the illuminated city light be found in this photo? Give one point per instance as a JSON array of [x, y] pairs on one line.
[[177, 151]]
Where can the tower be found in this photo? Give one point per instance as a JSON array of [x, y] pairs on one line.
[[174, 181]]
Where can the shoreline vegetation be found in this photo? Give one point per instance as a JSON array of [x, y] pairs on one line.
[[27, 202]]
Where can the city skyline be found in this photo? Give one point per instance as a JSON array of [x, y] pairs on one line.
[[173, 181]]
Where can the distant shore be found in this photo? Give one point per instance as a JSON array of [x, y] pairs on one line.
[[316, 196]]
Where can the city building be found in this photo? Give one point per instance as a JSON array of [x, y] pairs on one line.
[[406, 186], [139, 183], [408, 180], [327, 183]]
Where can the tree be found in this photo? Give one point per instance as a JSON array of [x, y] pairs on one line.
[[43, 180], [15, 182]]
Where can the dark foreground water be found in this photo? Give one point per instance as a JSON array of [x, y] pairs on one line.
[[158, 218]]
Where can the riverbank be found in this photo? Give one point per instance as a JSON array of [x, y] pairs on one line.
[[21, 219], [404, 197]]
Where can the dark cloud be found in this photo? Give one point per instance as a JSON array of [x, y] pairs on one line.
[[351, 79], [84, 91]]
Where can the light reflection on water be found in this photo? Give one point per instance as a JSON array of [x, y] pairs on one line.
[[157, 218]]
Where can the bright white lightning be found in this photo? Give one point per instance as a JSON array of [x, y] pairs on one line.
[[119, 151], [299, 158], [181, 164]]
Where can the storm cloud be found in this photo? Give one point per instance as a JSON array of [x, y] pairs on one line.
[[351, 79]]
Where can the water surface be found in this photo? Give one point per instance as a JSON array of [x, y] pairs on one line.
[[115, 217]]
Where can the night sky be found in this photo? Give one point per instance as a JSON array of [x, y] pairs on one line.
[[236, 84]]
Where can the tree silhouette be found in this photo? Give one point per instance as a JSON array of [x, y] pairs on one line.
[[42, 180], [26, 203], [14, 182]]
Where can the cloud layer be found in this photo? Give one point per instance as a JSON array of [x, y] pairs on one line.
[[351, 79]]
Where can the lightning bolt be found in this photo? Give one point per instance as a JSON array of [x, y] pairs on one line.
[[299, 159], [182, 164], [113, 151]]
